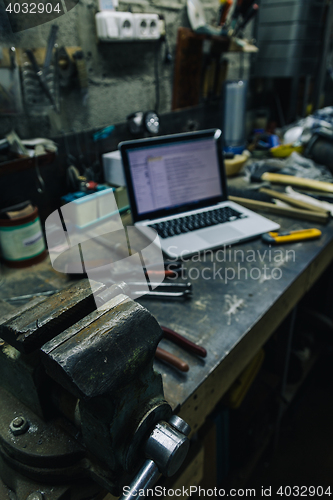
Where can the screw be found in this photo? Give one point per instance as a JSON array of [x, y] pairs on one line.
[[19, 425], [36, 495], [179, 424], [18, 422]]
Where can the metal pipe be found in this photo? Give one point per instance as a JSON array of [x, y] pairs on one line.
[[147, 477]]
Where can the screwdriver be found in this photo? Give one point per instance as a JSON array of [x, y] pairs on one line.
[[223, 11]]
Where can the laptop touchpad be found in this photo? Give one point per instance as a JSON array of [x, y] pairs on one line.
[[213, 236]]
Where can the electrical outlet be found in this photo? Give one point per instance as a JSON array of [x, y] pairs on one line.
[[115, 25], [146, 26]]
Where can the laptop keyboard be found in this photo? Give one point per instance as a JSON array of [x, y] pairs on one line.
[[188, 223]]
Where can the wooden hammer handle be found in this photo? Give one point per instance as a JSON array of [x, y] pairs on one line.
[[292, 201], [291, 180], [295, 213]]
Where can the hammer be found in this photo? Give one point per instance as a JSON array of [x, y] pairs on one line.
[[268, 173]]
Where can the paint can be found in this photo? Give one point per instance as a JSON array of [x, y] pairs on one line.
[[21, 240]]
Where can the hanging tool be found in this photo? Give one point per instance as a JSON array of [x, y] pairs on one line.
[[240, 10], [49, 48], [40, 75], [66, 68], [78, 57], [236, 13], [274, 238], [247, 18], [223, 11]]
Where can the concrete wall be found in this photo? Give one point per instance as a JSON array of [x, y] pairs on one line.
[[121, 74]]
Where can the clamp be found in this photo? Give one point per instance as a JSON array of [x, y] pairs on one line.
[[81, 408]]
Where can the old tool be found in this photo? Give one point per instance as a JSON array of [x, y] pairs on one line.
[[162, 291], [183, 342], [275, 238], [324, 202], [124, 288], [252, 11], [165, 290], [295, 213], [45, 75], [223, 11], [178, 339], [171, 359], [268, 173], [171, 270], [49, 48], [292, 201], [40, 76], [81, 409]]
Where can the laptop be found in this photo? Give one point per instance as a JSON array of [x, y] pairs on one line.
[[177, 187]]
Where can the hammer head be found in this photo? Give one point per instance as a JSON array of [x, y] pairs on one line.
[[258, 172]]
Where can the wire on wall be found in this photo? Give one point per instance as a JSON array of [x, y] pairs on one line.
[[157, 78]]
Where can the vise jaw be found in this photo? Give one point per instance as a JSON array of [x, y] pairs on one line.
[[87, 377]]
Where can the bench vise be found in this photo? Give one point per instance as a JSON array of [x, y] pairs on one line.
[[82, 411]]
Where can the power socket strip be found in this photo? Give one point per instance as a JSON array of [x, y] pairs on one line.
[[115, 25]]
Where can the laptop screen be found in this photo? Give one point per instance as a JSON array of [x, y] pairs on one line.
[[166, 176]]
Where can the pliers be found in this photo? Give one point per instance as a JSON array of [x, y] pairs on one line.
[[178, 339]]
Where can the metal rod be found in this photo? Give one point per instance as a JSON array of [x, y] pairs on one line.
[[146, 478]]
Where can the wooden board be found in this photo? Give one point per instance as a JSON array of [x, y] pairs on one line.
[[187, 72], [196, 75]]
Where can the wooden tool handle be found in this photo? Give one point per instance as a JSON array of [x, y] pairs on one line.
[[172, 359], [295, 213], [291, 180], [292, 201]]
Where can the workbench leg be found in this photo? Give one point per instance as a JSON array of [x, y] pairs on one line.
[[285, 376]]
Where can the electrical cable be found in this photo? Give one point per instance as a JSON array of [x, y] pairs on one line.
[[157, 80]]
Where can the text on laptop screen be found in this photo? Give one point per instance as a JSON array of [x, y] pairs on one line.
[[171, 175]]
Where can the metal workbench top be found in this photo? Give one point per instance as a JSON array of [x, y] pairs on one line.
[[240, 295]]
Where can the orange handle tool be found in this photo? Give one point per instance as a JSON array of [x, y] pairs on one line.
[[171, 359]]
